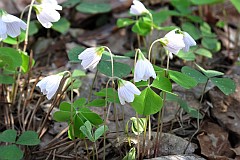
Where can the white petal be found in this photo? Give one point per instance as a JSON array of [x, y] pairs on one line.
[[121, 96], [175, 41], [86, 53], [150, 70], [139, 71], [189, 41], [3, 27], [137, 8], [13, 29], [132, 88]]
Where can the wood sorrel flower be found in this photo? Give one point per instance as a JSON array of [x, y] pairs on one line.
[[47, 13], [143, 69], [188, 41], [138, 8], [173, 41], [126, 91], [90, 57], [49, 85], [10, 25]]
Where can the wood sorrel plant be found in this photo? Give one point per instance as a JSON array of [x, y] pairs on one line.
[[83, 123]]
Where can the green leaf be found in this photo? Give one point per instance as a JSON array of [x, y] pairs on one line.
[[100, 131], [65, 106], [61, 26], [120, 69], [142, 27], [93, 7], [141, 84], [73, 54], [25, 62], [10, 152], [78, 73], [182, 79], [112, 95], [163, 15], [138, 125], [62, 116], [88, 115], [33, 28], [87, 130], [79, 103], [29, 138], [226, 85], [162, 83], [210, 43], [182, 6], [210, 73], [8, 136], [147, 103], [206, 2], [131, 155], [106, 56], [96, 103], [236, 4], [71, 3], [198, 76], [192, 30], [13, 41], [204, 52], [220, 24], [123, 22], [187, 56], [191, 111], [74, 128], [10, 58], [5, 79]]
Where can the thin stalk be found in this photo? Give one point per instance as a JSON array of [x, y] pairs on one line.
[[161, 115], [86, 146], [144, 139], [198, 121], [90, 92], [138, 139]]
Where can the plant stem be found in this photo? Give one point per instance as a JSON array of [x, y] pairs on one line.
[[198, 121], [91, 89], [161, 115]]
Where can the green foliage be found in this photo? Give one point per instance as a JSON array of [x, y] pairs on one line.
[[187, 56], [147, 103], [73, 54], [123, 22], [110, 93], [206, 2], [14, 41], [97, 103], [143, 26], [26, 62], [61, 26], [8, 136], [236, 4], [29, 138], [210, 73], [88, 132], [191, 29], [76, 115], [71, 3], [226, 85], [93, 7], [131, 155], [11, 151], [138, 125], [182, 79], [198, 76], [33, 28], [120, 69], [204, 52], [163, 84]]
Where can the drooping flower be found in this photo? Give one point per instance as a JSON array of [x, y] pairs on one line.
[[126, 91], [90, 57], [138, 8], [10, 25], [173, 41], [47, 13], [143, 69], [49, 85], [188, 41]]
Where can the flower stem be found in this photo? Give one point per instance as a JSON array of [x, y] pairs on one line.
[[90, 92], [161, 115], [150, 49], [198, 121]]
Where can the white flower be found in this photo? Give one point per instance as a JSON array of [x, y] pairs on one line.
[[10, 25], [138, 8], [143, 69], [47, 13], [49, 85], [173, 41], [90, 57], [188, 41], [126, 91]]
